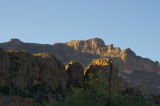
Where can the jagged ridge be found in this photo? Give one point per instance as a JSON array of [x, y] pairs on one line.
[[86, 50]]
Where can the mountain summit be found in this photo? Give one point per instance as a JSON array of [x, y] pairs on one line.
[[15, 41], [87, 44]]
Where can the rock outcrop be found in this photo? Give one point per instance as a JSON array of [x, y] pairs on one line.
[[24, 70], [27, 75], [107, 67], [89, 46], [51, 71], [75, 74]]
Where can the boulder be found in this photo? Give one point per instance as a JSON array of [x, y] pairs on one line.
[[75, 74]]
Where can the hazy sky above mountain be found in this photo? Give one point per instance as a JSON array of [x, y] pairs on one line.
[[131, 24]]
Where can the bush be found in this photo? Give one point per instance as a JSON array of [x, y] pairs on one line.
[[97, 92]]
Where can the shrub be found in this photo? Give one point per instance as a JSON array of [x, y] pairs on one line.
[[97, 92]]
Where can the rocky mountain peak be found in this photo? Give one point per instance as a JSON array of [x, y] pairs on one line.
[[97, 42], [129, 52], [94, 43], [15, 41]]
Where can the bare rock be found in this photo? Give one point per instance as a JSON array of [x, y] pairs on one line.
[[89, 46], [75, 74], [28, 70], [128, 51], [24, 69], [107, 67], [86, 50], [51, 70]]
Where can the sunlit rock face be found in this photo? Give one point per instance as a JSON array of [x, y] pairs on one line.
[[24, 70], [75, 74], [107, 67], [88, 46]]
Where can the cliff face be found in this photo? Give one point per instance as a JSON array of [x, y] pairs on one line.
[[87, 46], [75, 74], [24, 70], [107, 67], [86, 50]]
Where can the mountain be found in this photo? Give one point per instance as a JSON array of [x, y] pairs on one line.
[[34, 79], [84, 51], [35, 76]]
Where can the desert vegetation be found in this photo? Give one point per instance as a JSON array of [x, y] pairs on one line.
[[97, 92]]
